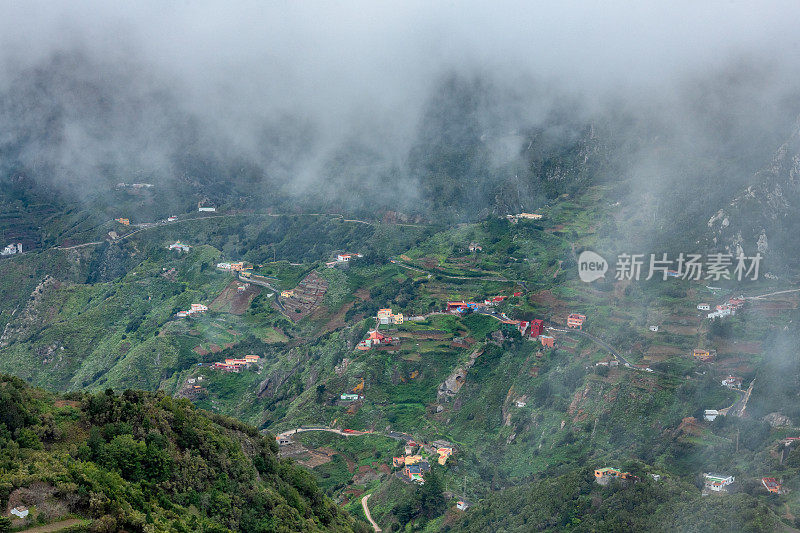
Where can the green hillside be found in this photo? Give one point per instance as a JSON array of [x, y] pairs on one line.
[[140, 461]]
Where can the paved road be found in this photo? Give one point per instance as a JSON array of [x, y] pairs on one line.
[[436, 273], [597, 340], [760, 296], [288, 434], [151, 225], [366, 512], [739, 406]]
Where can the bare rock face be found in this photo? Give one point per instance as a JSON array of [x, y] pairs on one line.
[[777, 420], [762, 217], [450, 387]]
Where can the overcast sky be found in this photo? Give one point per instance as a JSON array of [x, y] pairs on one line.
[[385, 52], [366, 69]]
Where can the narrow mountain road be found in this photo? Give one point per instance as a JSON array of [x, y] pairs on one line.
[[152, 225], [367, 514], [760, 296], [449, 276], [739, 406], [596, 340], [351, 433]]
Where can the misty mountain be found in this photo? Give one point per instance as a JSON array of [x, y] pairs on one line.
[[762, 217]]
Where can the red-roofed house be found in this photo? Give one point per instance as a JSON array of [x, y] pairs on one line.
[[771, 484]]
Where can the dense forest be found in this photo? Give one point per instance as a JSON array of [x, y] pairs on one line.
[[141, 461]]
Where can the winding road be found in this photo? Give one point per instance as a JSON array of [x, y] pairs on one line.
[[435, 273], [597, 340], [367, 514]]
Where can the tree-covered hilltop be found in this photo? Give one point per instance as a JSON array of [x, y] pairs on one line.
[[141, 461]]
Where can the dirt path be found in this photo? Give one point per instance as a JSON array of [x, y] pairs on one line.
[[366, 512], [55, 526]]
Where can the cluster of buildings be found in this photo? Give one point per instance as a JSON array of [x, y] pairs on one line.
[[123, 221], [575, 321], [717, 482], [732, 382], [12, 249], [604, 475], [535, 330], [523, 216], [460, 307], [234, 267], [536, 327], [727, 309], [178, 245], [194, 309], [234, 365], [374, 339], [386, 317], [413, 463]]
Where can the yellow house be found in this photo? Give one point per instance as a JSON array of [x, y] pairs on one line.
[[444, 454], [385, 316], [703, 355], [124, 221], [413, 459], [287, 294]]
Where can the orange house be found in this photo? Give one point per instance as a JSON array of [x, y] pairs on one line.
[[574, 320]]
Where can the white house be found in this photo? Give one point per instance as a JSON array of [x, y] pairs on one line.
[[717, 482], [462, 506], [732, 382], [12, 249], [178, 245], [719, 313], [703, 307], [20, 511], [653, 328], [710, 415]]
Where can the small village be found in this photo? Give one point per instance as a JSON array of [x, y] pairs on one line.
[[411, 467]]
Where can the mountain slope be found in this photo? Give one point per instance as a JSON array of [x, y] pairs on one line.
[[147, 462], [762, 217]]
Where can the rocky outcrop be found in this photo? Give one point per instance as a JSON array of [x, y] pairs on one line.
[[762, 217], [450, 387]]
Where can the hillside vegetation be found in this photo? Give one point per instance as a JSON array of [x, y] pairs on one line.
[[140, 461]]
